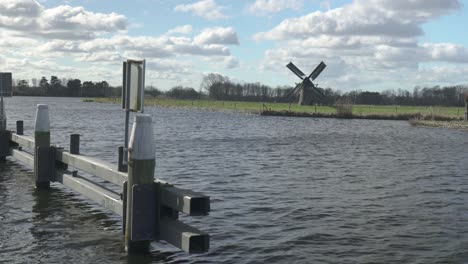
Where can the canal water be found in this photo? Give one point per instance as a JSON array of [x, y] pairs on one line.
[[283, 190]]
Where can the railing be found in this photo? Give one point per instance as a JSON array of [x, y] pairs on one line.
[[149, 207]]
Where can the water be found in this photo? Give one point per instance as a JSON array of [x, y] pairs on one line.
[[283, 190]]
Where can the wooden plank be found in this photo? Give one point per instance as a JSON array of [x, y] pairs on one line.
[[99, 194]]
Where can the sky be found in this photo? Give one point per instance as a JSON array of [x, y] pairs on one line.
[[369, 45]]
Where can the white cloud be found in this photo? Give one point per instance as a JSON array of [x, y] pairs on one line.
[[394, 18], [28, 17], [365, 41], [22, 8], [265, 7], [103, 56], [207, 9], [36, 40], [439, 75], [165, 65], [9, 40], [218, 35], [231, 62], [446, 52], [185, 29]]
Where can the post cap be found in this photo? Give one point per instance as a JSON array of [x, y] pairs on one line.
[[42, 118], [143, 119], [141, 145], [42, 106]]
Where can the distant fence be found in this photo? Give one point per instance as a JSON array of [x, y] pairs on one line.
[[149, 208]]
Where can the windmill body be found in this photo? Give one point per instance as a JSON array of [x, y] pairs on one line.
[[306, 89]]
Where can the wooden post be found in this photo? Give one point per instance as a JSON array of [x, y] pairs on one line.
[[75, 144], [141, 165], [19, 127], [42, 140]]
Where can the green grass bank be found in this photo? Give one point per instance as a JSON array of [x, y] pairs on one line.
[[385, 112]]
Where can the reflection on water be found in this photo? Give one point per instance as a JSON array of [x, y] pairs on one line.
[[283, 190]]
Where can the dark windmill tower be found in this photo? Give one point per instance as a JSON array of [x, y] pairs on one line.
[[306, 89]]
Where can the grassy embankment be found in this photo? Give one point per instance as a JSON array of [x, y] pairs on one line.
[[419, 115]]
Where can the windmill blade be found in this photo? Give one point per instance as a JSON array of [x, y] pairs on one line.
[[317, 93], [317, 71], [296, 70], [294, 91]]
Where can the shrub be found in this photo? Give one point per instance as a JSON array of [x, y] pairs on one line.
[[344, 108]]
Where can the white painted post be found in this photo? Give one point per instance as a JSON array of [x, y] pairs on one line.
[[41, 139], [140, 172]]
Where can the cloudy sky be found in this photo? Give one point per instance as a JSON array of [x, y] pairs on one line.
[[366, 44]]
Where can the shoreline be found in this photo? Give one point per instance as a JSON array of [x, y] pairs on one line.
[[460, 125], [416, 118]]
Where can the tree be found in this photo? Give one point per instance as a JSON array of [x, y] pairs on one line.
[[153, 91], [74, 88], [22, 88], [44, 85], [88, 89], [182, 93], [101, 89], [23, 84], [55, 88], [211, 79]]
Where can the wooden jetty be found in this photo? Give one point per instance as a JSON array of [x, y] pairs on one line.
[[149, 207]]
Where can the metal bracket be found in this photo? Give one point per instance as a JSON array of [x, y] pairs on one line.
[[144, 212], [147, 211], [58, 164]]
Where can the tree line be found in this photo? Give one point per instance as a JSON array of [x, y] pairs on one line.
[[71, 88], [77, 88], [218, 87]]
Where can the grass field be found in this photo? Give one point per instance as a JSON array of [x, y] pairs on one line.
[[257, 107]]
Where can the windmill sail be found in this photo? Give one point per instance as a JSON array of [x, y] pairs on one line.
[[296, 70], [306, 89], [317, 71], [294, 91]]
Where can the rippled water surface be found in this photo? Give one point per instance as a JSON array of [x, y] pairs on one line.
[[283, 190]]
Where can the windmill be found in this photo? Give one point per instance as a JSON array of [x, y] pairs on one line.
[[306, 89]]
